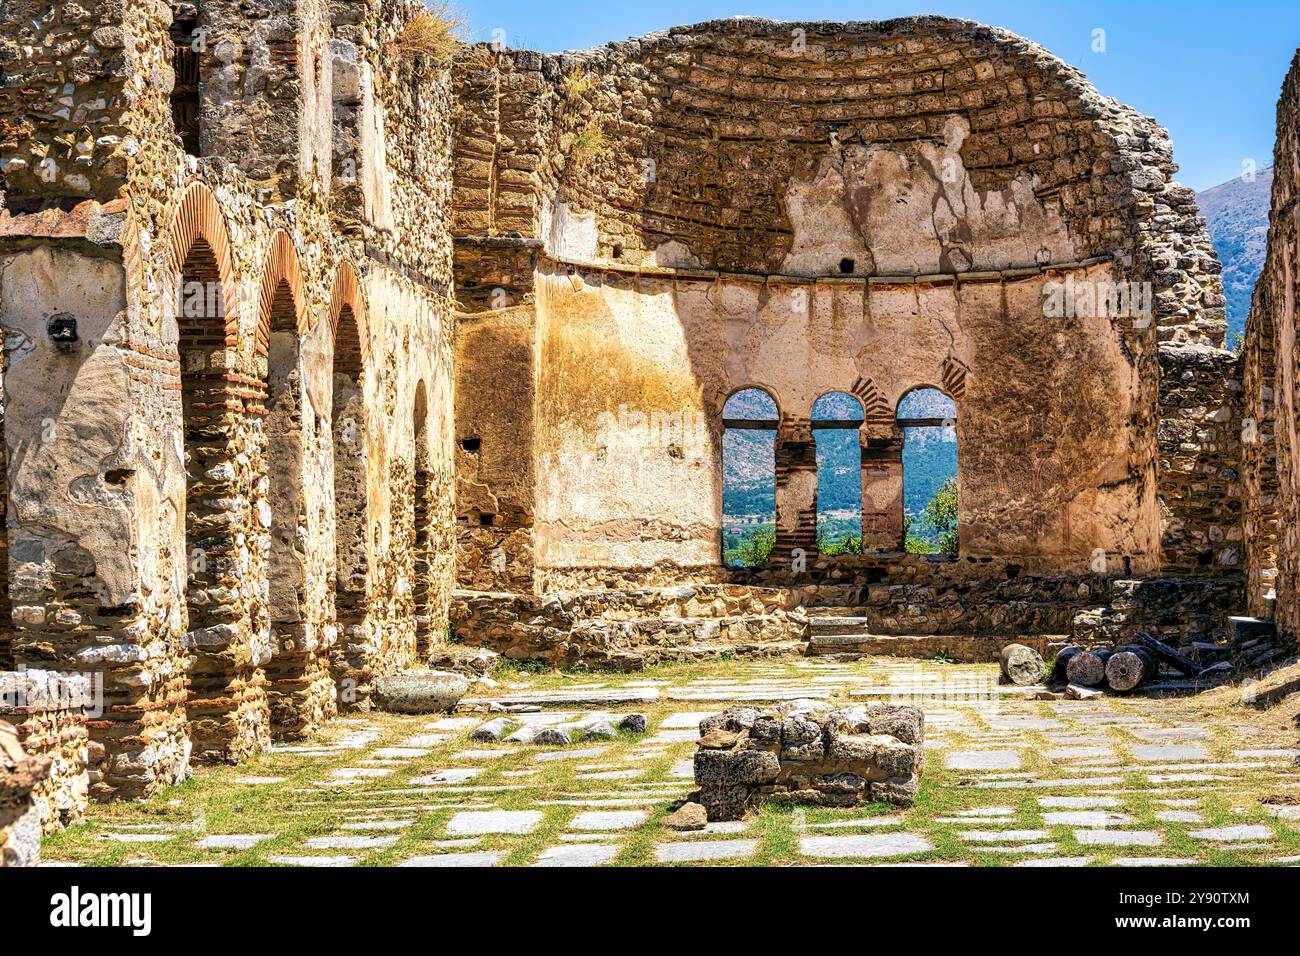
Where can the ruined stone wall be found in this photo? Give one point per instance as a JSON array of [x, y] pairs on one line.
[[49, 713], [411, 300], [69, 72], [206, 602], [495, 399], [688, 187], [20, 825], [496, 394], [1200, 435], [265, 88], [729, 145], [1049, 465], [1259, 496], [1272, 331]]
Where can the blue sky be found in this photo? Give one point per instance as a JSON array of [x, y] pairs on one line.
[[1210, 72]]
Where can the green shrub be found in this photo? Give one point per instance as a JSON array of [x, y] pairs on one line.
[[829, 549], [753, 550], [939, 519]]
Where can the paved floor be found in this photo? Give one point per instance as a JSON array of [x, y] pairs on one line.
[[1009, 780]]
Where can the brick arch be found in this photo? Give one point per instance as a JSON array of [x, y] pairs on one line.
[[198, 216], [280, 265], [347, 294], [875, 407], [954, 377]]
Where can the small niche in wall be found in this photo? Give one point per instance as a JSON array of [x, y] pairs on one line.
[[847, 266], [471, 444], [487, 521], [185, 70]]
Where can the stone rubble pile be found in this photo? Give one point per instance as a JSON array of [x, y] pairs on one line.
[[1255, 644], [838, 758]]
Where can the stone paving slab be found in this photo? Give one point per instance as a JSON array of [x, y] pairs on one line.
[[1170, 752], [693, 852], [232, 841], [996, 836], [491, 858], [608, 820], [1087, 818], [348, 842], [862, 823], [289, 860], [473, 822], [1233, 833], [138, 837], [568, 698], [1051, 861], [867, 845], [1140, 861], [983, 760], [578, 855], [1179, 816], [1119, 837]]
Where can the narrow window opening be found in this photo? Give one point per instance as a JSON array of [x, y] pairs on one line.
[[836, 419], [847, 266], [471, 444], [928, 419], [749, 423], [185, 91]]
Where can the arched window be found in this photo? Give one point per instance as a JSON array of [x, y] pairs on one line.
[[749, 422], [420, 540], [836, 418], [286, 407], [928, 419], [351, 441]]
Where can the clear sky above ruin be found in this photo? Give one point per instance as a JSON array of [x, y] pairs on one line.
[[1209, 71]]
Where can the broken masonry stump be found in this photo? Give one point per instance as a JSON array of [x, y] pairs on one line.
[[689, 816], [472, 662], [419, 691], [1129, 666], [839, 758], [1088, 668], [1062, 661], [1021, 665]]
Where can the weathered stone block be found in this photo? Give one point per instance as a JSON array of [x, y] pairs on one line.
[[825, 757], [419, 692]]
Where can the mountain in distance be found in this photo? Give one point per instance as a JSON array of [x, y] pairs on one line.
[[1237, 215]]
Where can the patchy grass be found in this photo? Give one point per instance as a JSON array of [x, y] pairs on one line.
[[304, 804]]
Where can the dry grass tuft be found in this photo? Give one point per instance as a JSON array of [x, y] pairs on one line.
[[435, 32], [576, 83], [1272, 701], [589, 143]]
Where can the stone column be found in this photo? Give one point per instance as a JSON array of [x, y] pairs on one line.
[[796, 494]]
